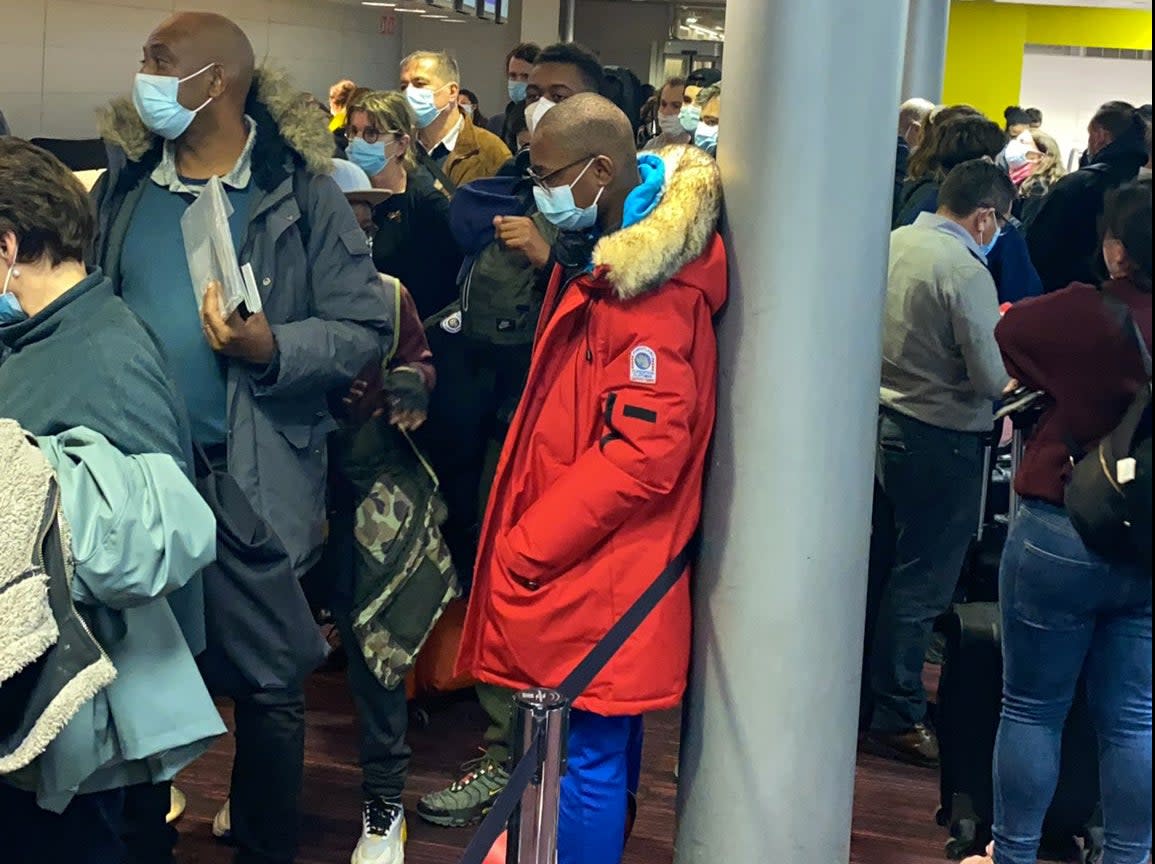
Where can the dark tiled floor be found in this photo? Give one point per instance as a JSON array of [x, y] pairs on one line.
[[894, 811]]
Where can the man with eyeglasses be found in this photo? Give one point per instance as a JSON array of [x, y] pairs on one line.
[[600, 482], [941, 373]]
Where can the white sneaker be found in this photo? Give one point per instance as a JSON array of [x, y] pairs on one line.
[[223, 822], [382, 834]]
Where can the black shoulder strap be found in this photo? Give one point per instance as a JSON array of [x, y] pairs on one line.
[[431, 165]]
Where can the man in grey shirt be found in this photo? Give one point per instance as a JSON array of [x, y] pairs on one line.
[[941, 372]]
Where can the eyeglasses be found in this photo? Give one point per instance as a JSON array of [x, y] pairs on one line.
[[1001, 220], [543, 180], [370, 134]]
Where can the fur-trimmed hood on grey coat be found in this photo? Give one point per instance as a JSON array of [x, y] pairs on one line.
[[288, 129]]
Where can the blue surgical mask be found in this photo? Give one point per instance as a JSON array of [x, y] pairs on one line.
[[424, 105], [517, 90], [155, 98], [690, 116], [988, 248], [370, 158], [11, 312], [706, 137], [558, 206]]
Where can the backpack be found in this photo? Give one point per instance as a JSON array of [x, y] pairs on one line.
[[1108, 497], [500, 300], [624, 88]]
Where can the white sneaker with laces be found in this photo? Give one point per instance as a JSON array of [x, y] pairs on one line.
[[382, 834], [223, 822]]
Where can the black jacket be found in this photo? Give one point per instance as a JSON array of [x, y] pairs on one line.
[[413, 243], [1063, 236]]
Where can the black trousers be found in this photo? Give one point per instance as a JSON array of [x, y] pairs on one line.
[[267, 774]]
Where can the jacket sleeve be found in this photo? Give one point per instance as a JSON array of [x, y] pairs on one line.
[[139, 528], [350, 317], [974, 315], [647, 405], [412, 344]]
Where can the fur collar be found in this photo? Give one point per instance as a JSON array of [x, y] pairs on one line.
[[643, 257], [287, 128]]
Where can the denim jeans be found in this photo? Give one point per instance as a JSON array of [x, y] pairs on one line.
[[605, 757], [1065, 610], [933, 480]]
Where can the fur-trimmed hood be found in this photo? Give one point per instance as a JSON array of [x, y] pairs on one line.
[[287, 128], [677, 231]]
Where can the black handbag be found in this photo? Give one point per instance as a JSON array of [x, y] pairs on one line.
[[1108, 497], [260, 632]]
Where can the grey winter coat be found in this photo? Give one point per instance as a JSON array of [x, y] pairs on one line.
[[320, 290]]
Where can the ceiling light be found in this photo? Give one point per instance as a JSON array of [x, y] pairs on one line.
[[691, 20], [413, 11], [374, 3]]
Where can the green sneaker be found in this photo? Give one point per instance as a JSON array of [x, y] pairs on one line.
[[467, 801]]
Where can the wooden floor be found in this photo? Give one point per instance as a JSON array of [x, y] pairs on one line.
[[893, 823]]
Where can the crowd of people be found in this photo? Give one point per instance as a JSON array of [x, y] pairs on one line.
[[482, 362]]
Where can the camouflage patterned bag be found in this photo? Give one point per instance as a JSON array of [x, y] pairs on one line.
[[404, 575]]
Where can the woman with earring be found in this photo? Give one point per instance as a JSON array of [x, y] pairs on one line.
[[412, 240], [1067, 612]]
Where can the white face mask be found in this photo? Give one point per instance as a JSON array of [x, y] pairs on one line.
[[671, 124], [536, 111]]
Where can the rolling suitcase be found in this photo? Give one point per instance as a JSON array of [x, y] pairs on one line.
[[970, 703]]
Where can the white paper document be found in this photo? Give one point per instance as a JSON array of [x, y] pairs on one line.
[[208, 243]]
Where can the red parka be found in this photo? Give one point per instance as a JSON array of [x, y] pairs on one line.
[[600, 482]]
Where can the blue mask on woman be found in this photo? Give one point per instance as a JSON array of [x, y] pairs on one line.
[[370, 158], [706, 137], [155, 99]]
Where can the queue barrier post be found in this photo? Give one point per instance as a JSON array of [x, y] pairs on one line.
[[542, 730]]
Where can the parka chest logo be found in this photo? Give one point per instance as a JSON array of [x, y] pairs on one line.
[[643, 365]]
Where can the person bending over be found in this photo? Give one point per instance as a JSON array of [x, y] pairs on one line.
[[941, 372]]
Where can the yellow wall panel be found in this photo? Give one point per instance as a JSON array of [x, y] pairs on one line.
[[984, 56]]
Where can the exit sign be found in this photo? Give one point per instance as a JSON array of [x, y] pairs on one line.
[[387, 26]]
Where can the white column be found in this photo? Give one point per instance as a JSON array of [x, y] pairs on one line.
[[540, 21], [767, 770], [926, 36]]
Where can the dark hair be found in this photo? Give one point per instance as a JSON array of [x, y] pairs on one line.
[[967, 138], [1117, 118], [43, 204], [1145, 111], [1127, 218], [526, 51], [975, 184], [705, 77], [672, 82], [478, 118], [924, 161], [1035, 116], [1016, 116], [573, 54]]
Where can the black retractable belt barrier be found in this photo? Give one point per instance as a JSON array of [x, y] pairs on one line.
[[574, 685]]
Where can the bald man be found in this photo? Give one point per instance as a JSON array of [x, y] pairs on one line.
[[255, 382], [912, 116], [600, 483]]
